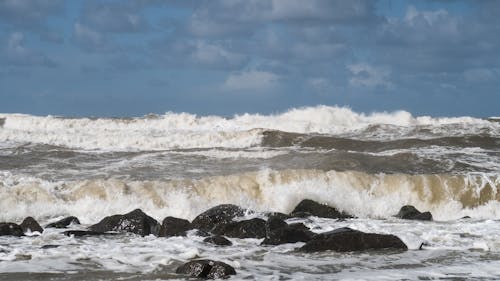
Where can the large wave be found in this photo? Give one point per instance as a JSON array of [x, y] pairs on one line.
[[183, 130], [362, 194]]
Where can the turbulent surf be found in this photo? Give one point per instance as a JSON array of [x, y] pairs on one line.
[[180, 164]]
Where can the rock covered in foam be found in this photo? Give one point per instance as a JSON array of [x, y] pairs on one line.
[[346, 240], [206, 269], [63, 223], [309, 207], [135, 222], [174, 227], [29, 224], [81, 233], [409, 212], [218, 215], [10, 229]]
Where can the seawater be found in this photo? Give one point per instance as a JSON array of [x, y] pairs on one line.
[[180, 164]]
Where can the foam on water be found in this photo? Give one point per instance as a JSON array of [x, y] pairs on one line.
[[183, 130], [364, 195]]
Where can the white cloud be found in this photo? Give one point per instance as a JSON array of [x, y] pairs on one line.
[[210, 54], [365, 75], [251, 80]]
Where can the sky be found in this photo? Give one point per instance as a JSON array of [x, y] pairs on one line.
[[225, 57]]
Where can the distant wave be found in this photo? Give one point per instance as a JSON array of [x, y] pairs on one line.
[[183, 130]]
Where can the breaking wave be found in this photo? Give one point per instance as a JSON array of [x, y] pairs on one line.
[[183, 130], [362, 194]]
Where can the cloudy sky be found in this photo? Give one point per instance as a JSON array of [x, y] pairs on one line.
[[130, 58]]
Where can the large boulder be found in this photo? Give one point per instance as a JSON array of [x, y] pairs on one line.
[[206, 269], [409, 212], [135, 222], [29, 224], [218, 215], [10, 229], [347, 240], [174, 227], [64, 222], [253, 228], [313, 208]]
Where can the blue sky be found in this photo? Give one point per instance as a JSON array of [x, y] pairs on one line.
[[133, 57]]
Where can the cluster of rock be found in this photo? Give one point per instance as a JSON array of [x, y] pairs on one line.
[[223, 221]]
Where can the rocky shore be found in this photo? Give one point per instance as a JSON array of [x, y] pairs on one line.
[[222, 223]]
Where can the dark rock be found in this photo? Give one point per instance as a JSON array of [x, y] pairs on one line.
[[174, 227], [11, 229], [201, 233], [135, 222], [206, 269], [409, 212], [298, 226], [80, 233], [29, 224], [50, 246], [64, 222], [274, 223], [287, 235], [218, 215], [278, 215], [316, 209], [466, 217], [346, 240], [218, 240], [253, 228]]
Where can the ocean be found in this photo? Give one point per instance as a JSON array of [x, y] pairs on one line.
[[180, 164]]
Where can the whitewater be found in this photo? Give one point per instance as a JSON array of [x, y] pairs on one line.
[[181, 164]]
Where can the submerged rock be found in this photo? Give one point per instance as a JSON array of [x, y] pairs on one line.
[[409, 212], [80, 233], [346, 240], [218, 240], [253, 228], [135, 222], [64, 222], [216, 216], [174, 227], [206, 269], [29, 224], [10, 229], [309, 207]]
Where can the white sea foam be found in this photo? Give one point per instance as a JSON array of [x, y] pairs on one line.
[[361, 194], [183, 130]]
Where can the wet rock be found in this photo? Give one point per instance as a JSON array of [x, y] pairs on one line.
[[278, 215], [64, 222], [135, 222], [279, 232], [29, 224], [49, 246], [347, 240], [206, 269], [274, 223], [218, 240], [80, 233], [409, 212], [218, 215], [307, 206], [10, 229], [253, 228], [174, 227]]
